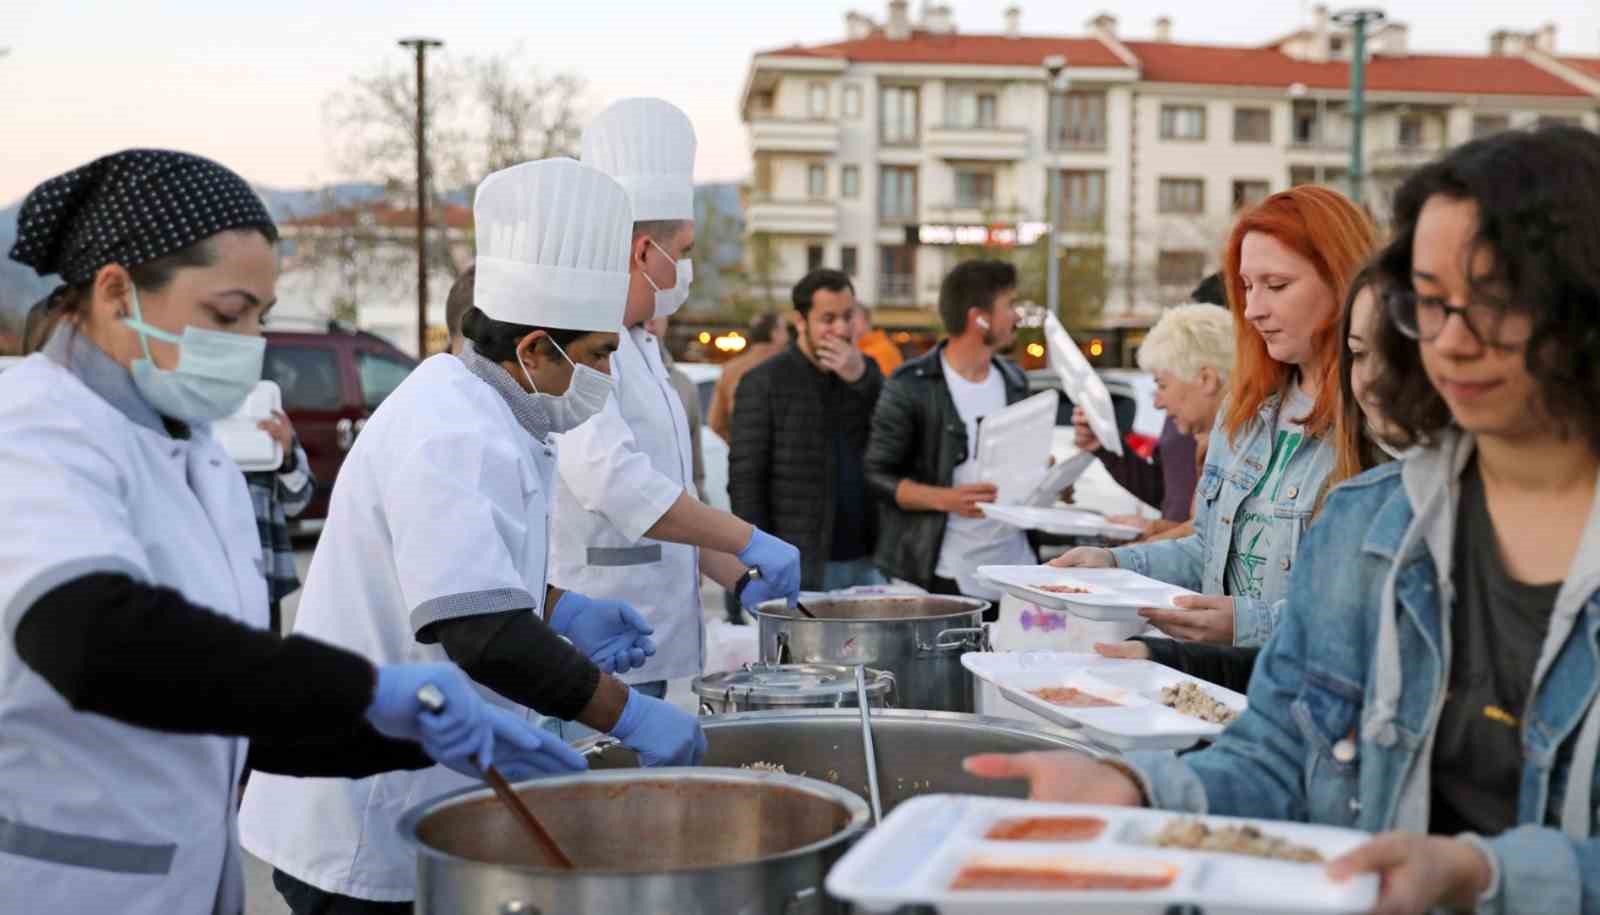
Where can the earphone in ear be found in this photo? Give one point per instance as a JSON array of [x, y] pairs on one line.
[[983, 323]]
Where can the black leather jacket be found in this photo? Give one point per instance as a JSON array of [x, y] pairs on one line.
[[918, 435]]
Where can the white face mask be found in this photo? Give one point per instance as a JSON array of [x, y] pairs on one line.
[[669, 300], [585, 395]]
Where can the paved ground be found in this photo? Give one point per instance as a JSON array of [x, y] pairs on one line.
[[262, 899]]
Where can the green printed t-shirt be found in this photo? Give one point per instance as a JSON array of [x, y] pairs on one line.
[[1255, 530]]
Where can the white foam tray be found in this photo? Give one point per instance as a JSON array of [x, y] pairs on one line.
[[1065, 522], [1138, 722], [912, 858], [1115, 595]]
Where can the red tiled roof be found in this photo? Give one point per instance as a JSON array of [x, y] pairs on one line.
[[1589, 66], [938, 48], [1207, 65], [384, 216]]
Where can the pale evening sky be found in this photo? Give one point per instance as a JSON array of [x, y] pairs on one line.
[[245, 83]]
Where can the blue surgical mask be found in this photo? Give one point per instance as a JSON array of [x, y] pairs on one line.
[[216, 370]]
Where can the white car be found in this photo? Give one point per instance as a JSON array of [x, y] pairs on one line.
[[713, 450], [8, 361]]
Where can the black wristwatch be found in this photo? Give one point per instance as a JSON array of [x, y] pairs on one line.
[[750, 574]]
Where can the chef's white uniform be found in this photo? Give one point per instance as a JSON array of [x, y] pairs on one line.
[[95, 815]]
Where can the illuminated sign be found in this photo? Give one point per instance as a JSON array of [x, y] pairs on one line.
[[996, 235]]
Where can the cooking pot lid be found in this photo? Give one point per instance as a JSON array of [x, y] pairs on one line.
[[794, 682]]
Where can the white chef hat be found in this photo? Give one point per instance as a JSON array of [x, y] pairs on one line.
[[648, 146], [552, 246]]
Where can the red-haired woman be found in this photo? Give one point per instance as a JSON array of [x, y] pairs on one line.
[[1287, 268]]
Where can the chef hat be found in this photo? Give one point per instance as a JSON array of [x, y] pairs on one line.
[[552, 246], [648, 146]]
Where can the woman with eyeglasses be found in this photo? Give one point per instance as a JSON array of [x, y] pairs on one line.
[[1434, 679]]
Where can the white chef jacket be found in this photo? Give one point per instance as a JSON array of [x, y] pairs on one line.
[[618, 473], [98, 816], [440, 511]]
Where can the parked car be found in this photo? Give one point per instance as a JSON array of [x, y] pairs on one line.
[[1138, 419], [8, 361], [332, 380], [713, 450]]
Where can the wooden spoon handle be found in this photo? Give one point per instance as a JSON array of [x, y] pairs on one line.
[[529, 822]]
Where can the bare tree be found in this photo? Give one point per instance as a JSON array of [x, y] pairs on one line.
[[526, 115]]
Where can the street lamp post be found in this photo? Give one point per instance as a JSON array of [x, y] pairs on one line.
[[420, 46], [1358, 19], [1056, 66]]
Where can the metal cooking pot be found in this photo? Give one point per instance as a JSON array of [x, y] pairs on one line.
[[762, 686], [918, 752], [665, 840], [918, 638]]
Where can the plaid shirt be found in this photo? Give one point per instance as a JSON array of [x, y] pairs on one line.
[[278, 496]]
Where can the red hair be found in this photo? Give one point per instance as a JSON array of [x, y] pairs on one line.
[[1325, 228]]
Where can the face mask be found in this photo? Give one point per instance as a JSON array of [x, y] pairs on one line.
[[668, 301], [216, 370], [585, 395]]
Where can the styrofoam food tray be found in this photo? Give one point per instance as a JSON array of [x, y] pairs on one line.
[[913, 857], [1115, 595], [1138, 722], [1067, 522]]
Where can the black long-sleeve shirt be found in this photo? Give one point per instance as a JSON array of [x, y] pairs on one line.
[[1224, 665], [516, 654], [146, 656]]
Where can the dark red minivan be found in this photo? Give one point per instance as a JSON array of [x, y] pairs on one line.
[[331, 380]]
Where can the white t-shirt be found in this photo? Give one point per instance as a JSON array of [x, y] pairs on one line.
[[972, 542]]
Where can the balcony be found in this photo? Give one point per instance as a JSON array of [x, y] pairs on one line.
[[791, 217], [994, 144], [794, 135], [897, 289], [1403, 157]]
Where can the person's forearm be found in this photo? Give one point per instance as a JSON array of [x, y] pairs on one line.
[[146, 656], [358, 753], [693, 522], [919, 497], [604, 708], [722, 568], [519, 656]]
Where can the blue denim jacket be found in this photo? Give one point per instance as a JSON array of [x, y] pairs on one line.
[[1361, 655], [1200, 561]]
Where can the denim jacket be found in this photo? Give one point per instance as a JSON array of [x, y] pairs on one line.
[[1233, 468], [1361, 658]]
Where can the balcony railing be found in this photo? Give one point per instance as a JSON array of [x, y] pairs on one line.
[[1000, 144], [896, 288], [800, 135], [791, 217]]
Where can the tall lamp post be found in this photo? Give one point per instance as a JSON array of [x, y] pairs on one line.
[[1358, 18], [1056, 66], [420, 46]]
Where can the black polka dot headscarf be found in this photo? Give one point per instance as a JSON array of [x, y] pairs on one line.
[[130, 208]]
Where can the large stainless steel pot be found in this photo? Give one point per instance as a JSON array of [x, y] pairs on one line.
[[763, 686], [665, 840], [918, 638], [917, 752]]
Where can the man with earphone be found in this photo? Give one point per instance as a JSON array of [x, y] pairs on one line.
[[922, 456]]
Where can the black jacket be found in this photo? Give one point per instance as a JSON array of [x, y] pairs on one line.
[[781, 460], [918, 435]]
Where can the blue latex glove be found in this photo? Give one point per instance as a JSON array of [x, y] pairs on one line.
[[462, 729], [660, 732], [610, 632], [779, 563], [521, 750]]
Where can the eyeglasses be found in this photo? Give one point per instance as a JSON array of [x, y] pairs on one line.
[[1423, 318]]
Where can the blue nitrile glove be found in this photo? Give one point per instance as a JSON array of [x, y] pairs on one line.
[[779, 563], [610, 632], [459, 730], [521, 750], [660, 732]]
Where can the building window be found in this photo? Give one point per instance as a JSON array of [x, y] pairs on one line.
[[1083, 200], [897, 193], [813, 257], [817, 180], [763, 175], [850, 181], [1558, 120], [852, 101], [1077, 119], [898, 116], [974, 189], [1252, 125], [1484, 125], [1410, 135], [817, 103], [1183, 122], [1180, 268], [965, 106], [761, 103], [1307, 125], [897, 273], [847, 259], [1336, 45], [1249, 193], [1302, 174], [1181, 195], [1084, 280]]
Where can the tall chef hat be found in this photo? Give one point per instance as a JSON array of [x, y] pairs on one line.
[[648, 146], [552, 246]]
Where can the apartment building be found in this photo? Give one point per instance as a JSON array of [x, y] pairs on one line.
[[894, 151]]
